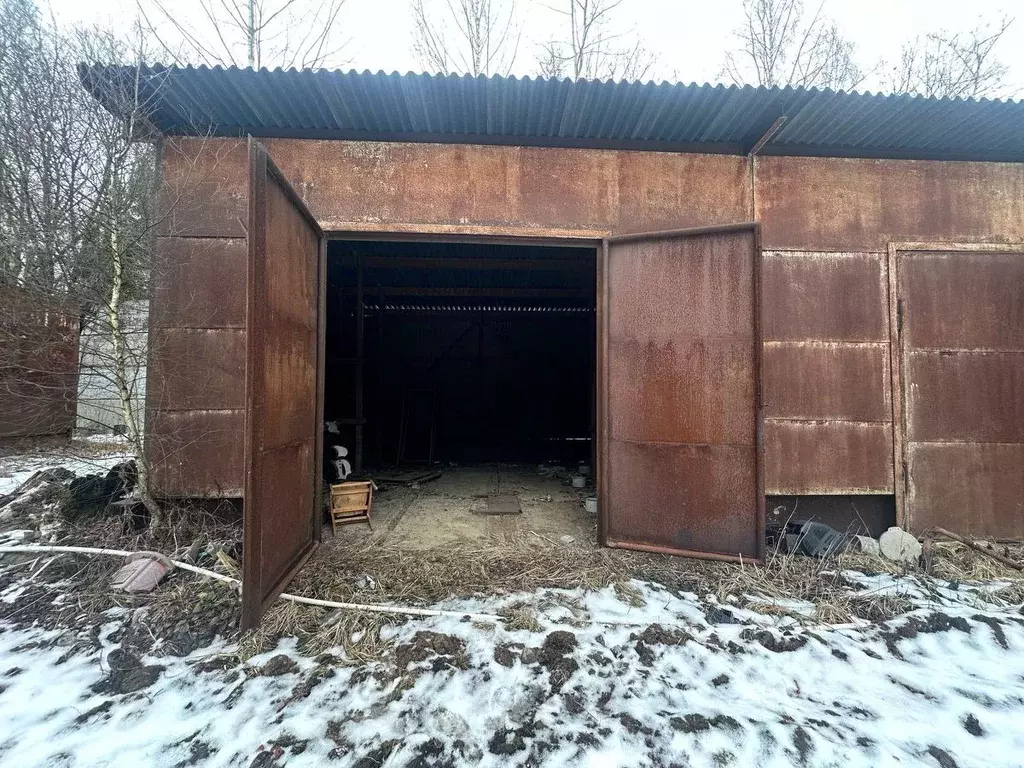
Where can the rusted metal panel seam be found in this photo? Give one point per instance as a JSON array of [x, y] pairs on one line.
[[966, 442], [171, 410], [823, 343], [819, 420]]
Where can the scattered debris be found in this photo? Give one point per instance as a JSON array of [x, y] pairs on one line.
[[819, 540], [864, 545], [142, 572], [898, 545]]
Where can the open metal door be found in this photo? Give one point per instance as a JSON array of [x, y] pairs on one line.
[[679, 358], [283, 386]]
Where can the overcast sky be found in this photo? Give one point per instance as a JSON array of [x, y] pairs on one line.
[[689, 37]]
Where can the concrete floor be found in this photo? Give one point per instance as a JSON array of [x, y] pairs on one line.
[[448, 510]]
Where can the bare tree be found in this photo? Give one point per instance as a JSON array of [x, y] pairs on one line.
[[75, 197], [958, 65], [480, 37], [589, 48], [257, 33], [778, 47]]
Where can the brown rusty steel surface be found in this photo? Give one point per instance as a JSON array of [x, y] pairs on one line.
[[963, 300], [503, 190], [38, 365], [824, 296], [827, 384], [816, 205], [960, 354], [283, 331], [826, 380], [199, 283], [195, 428], [827, 457], [196, 452], [204, 188], [852, 204], [181, 384], [679, 412], [965, 396], [971, 488]]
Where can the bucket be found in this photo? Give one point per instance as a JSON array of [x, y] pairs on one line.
[[590, 504]]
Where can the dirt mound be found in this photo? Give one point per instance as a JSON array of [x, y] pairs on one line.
[[127, 673], [555, 656], [446, 651]]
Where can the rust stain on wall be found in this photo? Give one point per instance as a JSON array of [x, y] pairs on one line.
[[824, 296], [964, 300], [351, 184], [826, 380], [827, 457], [845, 204], [973, 488]]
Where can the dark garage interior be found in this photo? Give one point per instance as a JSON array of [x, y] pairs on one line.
[[459, 352]]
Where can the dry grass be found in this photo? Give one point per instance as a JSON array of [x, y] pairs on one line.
[[956, 562], [379, 574]]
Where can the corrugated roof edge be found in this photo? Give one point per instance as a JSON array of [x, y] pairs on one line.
[[625, 114]]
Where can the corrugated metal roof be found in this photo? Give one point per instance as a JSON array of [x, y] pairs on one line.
[[510, 110]]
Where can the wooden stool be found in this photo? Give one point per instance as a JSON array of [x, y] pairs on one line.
[[350, 503]]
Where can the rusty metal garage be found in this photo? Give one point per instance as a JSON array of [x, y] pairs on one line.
[[797, 293]]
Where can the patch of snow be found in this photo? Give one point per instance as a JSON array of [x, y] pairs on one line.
[[864, 695], [15, 470]]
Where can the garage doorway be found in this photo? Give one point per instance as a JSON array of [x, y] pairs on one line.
[[470, 360]]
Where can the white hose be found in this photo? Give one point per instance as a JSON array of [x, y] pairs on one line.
[[398, 609]]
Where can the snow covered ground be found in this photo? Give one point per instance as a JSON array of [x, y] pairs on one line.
[[603, 684], [16, 469]]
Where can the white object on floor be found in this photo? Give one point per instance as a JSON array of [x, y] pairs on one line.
[[579, 481], [590, 504], [896, 544]]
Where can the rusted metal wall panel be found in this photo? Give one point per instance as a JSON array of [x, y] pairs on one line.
[[38, 366], [197, 368], [827, 385], [282, 358], [196, 452], [824, 296], [199, 283], [196, 382], [961, 379], [511, 190], [846, 204], [680, 453], [828, 457], [972, 488], [204, 188], [963, 300], [825, 380]]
